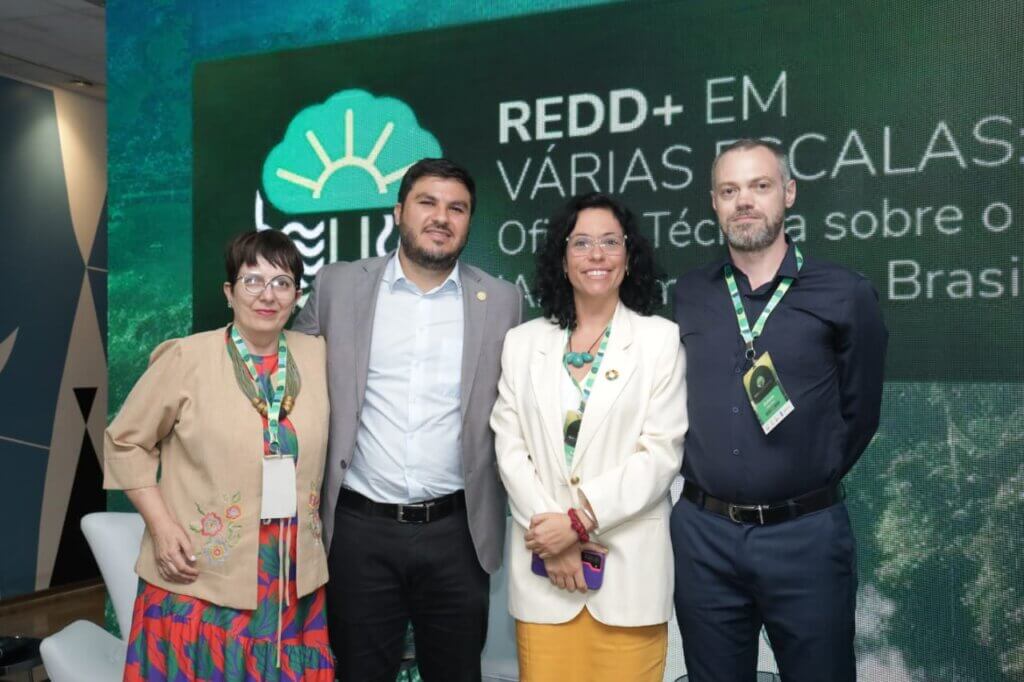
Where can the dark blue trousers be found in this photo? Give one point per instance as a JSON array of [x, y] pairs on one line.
[[797, 578]]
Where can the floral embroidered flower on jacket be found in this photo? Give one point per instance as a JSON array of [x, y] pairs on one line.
[[211, 524], [215, 550], [219, 537], [313, 523]]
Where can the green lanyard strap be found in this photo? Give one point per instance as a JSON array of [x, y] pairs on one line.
[[741, 315], [280, 379], [572, 428]]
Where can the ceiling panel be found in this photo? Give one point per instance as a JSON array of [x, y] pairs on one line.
[[54, 42]]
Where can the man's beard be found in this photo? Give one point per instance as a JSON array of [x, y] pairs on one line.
[[422, 257], [752, 240]]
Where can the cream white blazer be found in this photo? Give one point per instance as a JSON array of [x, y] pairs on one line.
[[628, 451]]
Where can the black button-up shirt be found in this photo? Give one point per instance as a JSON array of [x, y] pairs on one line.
[[827, 341]]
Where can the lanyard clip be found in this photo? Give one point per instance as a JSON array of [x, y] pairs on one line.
[[750, 350]]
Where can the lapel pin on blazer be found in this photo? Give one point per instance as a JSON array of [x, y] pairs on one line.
[[481, 295], [611, 375]]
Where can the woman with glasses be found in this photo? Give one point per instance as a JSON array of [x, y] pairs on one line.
[[232, 564], [589, 425]]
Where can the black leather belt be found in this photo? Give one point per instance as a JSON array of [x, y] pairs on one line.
[[419, 512], [764, 514]]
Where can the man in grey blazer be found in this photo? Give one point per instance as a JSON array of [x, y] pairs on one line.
[[414, 511]]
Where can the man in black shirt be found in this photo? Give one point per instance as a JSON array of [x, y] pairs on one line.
[[784, 357]]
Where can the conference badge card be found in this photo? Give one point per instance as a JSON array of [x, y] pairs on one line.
[[767, 397]]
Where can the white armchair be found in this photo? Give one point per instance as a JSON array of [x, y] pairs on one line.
[[83, 651]]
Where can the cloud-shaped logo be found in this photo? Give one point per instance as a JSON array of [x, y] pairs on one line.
[[348, 153]]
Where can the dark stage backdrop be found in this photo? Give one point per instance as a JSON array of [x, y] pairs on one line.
[[905, 125]]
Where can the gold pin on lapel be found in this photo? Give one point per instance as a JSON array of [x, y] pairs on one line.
[[481, 295], [611, 375]]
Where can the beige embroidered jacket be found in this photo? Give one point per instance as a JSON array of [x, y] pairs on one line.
[[187, 416]]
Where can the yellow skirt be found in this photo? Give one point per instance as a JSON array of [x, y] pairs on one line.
[[585, 650]]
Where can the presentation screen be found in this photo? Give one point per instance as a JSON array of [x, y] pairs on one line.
[[904, 131]]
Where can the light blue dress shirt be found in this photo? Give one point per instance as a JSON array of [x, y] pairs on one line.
[[408, 447]]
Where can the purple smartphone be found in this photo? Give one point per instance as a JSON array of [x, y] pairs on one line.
[[593, 568]]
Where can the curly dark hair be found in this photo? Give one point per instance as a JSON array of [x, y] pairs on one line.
[[639, 290]]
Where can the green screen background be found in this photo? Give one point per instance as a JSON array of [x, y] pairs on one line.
[[938, 498]]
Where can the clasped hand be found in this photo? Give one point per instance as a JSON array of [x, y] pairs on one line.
[[565, 570], [550, 534], [553, 539]]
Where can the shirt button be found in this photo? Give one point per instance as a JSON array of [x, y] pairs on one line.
[[735, 451], [735, 410], [575, 480], [738, 370], [344, 464]]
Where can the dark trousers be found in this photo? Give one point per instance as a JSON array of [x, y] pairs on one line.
[[798, 578], [382, 575]]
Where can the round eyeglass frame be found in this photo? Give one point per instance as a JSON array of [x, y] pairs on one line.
[[259, 291], [596, 243]]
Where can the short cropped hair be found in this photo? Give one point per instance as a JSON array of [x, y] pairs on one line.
[[273, 246], [437, 168], [639, 290], [751, 143]]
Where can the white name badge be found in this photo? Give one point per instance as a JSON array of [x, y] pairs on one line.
[[279, 497]]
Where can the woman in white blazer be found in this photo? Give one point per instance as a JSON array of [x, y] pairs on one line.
[[589, 424]]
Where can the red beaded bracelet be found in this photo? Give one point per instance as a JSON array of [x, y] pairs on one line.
[[577, 525]]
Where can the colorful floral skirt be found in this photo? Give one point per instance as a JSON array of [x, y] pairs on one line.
[[179, 638]]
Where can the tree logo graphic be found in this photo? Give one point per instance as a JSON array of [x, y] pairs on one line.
[[347, 153]]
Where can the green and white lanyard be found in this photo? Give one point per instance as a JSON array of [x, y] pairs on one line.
[[279, 492], [280, 379], [573, 421], [750, 335], [279, 495]]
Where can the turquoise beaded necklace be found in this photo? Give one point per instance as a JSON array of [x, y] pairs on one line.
[[579, 359]]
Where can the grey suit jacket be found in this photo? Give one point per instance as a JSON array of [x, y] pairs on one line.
[[341, 308]]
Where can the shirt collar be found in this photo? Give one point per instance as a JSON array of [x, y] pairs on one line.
[[788, 267], [395, 276]]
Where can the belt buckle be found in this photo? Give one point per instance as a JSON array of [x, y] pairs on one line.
[[734, 508], [422, 517]]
